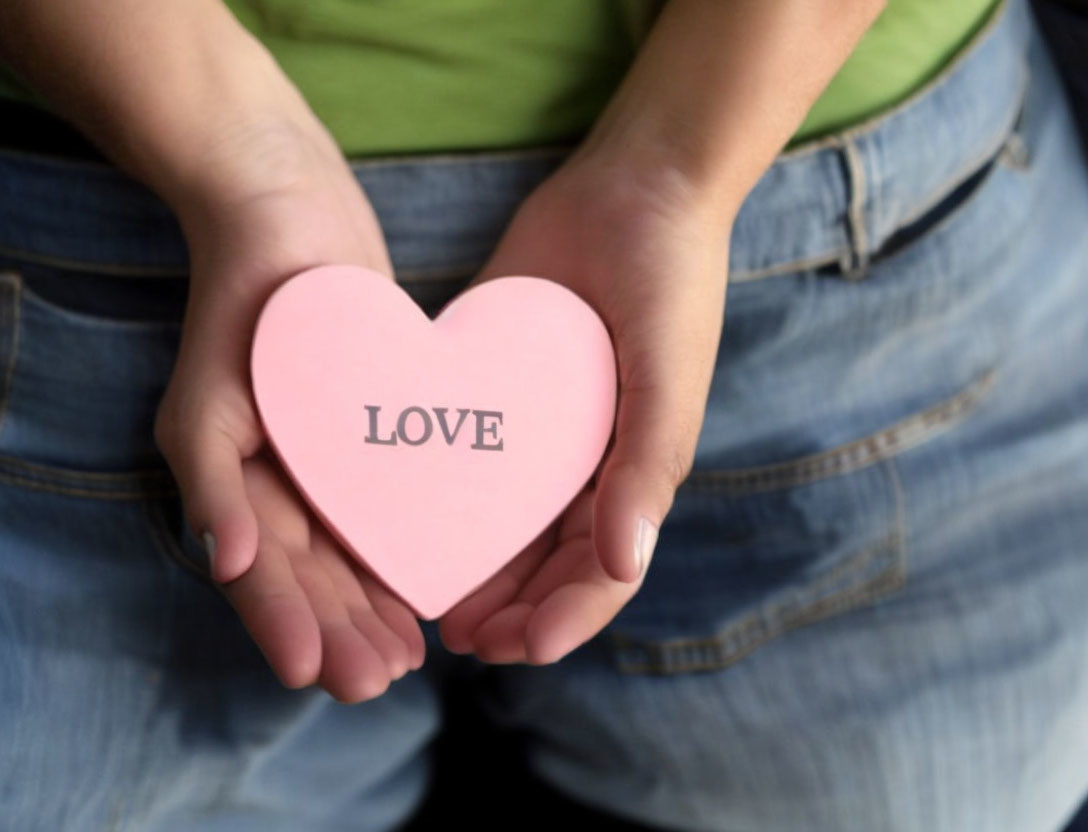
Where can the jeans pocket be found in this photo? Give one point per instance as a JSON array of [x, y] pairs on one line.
[[746, 555], [78, 395], [97, 299], [175, 539]]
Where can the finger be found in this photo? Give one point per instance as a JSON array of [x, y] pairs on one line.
[[572, 615], [208, 470], [277, 615], [569, 561], [389, 645], [456, 626], [661, 403], [382, 638], [352, 670], [500, 639], [397, 616]]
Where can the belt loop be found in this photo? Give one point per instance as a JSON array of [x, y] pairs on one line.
[[855, 262]]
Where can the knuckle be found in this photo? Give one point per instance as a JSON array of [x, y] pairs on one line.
[[678, 465]]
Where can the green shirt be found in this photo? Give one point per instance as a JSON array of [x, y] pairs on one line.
[[404, 76]]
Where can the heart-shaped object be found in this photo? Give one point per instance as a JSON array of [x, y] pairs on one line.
[[433, 451]]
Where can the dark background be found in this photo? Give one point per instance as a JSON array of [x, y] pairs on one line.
[[496, 769]]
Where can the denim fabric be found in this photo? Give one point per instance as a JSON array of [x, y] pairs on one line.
[[867, 609]]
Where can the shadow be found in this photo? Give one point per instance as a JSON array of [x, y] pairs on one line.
[[464, 789], [1080, 822]]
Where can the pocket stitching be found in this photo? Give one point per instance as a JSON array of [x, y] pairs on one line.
[[112, 485], [94, 321], [883, 444], [869, 574], [132, 484], [715, 652]]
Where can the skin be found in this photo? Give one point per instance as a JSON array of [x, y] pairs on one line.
[[636, 221]]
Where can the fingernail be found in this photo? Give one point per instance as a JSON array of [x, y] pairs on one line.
[[645, 540], [209, 546]]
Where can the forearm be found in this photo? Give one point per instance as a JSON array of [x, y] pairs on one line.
[[719, 87], [164, 89]]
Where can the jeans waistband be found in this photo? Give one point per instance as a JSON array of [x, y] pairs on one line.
[[834, 201]]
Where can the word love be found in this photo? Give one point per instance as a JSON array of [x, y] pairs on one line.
[[526, 367], [422, 428]]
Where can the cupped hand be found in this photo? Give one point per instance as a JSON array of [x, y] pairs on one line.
[[314, 611], [282, 201], [649, 252]]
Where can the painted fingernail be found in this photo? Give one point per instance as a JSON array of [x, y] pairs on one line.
[[645, 540], [209, 546]]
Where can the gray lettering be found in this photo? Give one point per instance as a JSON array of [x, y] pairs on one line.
[[440, 412], [402, 430], [373, 437], [493, 429]]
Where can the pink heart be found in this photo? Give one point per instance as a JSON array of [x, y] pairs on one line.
[[389, 423]]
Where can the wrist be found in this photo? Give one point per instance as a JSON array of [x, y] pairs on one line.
[[238, 163], [717, 89], [233, 145], [644, 170], [180, 95]]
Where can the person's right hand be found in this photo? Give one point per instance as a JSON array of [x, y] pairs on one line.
[[282, 200]]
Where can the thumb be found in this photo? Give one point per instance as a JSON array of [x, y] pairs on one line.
[[657, 428], [207, 466]]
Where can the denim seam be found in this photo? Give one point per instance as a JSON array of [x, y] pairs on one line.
[[871, 125], [856, 257], [1014, 152], [992, 152], [436, 274], [445, 157], [90, 320], [355, 162], [882, 444], [869, 574], [168, 545], [990, 167], [114, 485], [67, 491], [107, 268], [13, 285], [900, 530], [877, 570]]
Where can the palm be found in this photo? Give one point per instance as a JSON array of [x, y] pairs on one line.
[[316, 614], [653, 266], [549, 599], [312, 609]]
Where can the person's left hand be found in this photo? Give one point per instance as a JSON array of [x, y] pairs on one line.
[[649, 251]]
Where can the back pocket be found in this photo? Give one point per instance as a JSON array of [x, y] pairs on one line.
[[746, 555], [79, 390]]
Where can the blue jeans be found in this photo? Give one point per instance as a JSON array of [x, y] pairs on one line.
[[868, 608]]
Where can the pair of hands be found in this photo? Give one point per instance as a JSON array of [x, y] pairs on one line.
[[639, 243]]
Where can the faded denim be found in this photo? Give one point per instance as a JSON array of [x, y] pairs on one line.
[[867, 611]]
